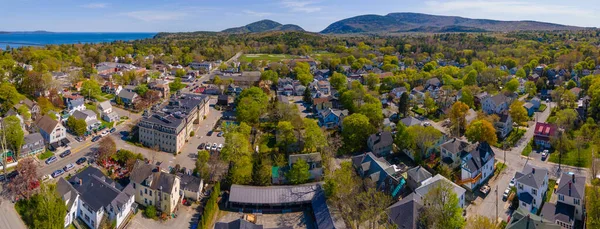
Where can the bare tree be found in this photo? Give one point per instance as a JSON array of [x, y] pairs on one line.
[[27, 181], [106, 149]]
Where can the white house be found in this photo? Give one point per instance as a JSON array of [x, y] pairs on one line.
[[441, 180], [51, 130], [91, 196], [504, 126], [477, 166], [531, 184], [90, 117], [75, 105], [495, 104], [570, 205], [452, 150], [107, 113]]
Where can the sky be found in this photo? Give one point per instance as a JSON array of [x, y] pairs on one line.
[[312, 15]]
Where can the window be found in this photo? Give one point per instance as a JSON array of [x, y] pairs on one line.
[[561, 197], [534, 191], [576, 201], [521, 186], [133, 185], [141, 193], [151, 202], [150, 192], [146, 191], [145, 201]]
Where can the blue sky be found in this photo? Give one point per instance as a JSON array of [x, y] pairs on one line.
[[312, 15]]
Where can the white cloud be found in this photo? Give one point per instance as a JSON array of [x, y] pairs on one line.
[[95, 5], [465, 7], [301, 6], [257, 14], [151, 15]]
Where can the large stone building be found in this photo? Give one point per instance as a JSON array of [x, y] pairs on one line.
[[169, 126]]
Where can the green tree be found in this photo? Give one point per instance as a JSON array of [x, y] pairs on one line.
[[403, 139], [201, 164], [150, 212], [441, 208], [180, 73], [299, 173], [373, 111], [24, 112], [141, 89], [78, 126], [251, 105], [15, 137], [457, 115], [471, 78], [424, 138], [480, 222], [91, 89], [372, 80], [176, 85], [512, 85], [46, 209], [481, 131], [338, 81], [566, 118], [314, 138], [468, 98], [403, 104], [355, 131], [518, 113], [521, 73], [261, 175], [530, 88], [302, 72], [270, 75], [285, 135], [429, 103]]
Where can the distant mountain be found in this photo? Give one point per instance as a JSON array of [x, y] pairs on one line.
[[263, 26], [416, 22], [27, 32]]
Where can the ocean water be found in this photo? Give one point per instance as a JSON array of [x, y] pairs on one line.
[[40, 39]]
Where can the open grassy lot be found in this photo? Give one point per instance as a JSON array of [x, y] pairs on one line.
[[321, 55], [573, 158], [267, 57]]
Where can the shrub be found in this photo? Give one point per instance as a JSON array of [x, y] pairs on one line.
[[150, 212], [211, 207], [192, 133]]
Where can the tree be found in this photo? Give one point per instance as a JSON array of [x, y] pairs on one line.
[[355, 131], [78, 126], [261, 175], [201, 166], [457, 115], [251, 105], [306, 95], [338, 81], [180, 73], [15, 137], [521, 73], [512, 85], [176, 85], [150, 212], [429, 103], [593, 207], [106, 149], [373, 111], [26, 183], [46, 209], [468, 98], [480, 222], [314, 139], [285, 135], [441, 208], [566, 118], [424, 138], [372, 204], [530, 88], [403, 139], [372, 80], [445, 171], [481, 131], [24, 112], [518, 113], [299, 173], [141, 89], [302, 72], [91, 89], [270, 75], [403, 104], [471, 78]]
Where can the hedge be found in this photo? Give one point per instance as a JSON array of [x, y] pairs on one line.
[[211, 207]]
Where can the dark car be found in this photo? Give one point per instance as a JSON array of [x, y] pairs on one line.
[[12, 175], [209, 133], [81, 160], [220, 134], [95, 139], [113, 130], [201, 146], [66, 153]]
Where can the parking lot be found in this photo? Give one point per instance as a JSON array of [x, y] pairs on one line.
[[292, 219], [187, 217]]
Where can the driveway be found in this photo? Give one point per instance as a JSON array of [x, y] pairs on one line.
[[187, 217], [9, 217]]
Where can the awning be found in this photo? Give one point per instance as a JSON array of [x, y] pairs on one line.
[[65, 141]]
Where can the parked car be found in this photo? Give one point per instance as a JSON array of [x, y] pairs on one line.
[[485, 190], [506, 193], [220, 147], [69, 167], [57, 173], [2, 178], [201, 146], [79, 139], [64, 154], [46, 177], [209, 133], [81, 160], [544, 154], [207, 146], [51, 160], [426, 124], [220, 134], [512, 183], [12, 175], [95, 139], [113, 130], [104, 133], [214, 147]]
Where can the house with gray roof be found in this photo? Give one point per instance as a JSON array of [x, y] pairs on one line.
[[531, 184], [453, 150], [380, 143], [570, 206], [477, 166], [523, 219], [386, 177], [191, 186], [416, 176], [314, 161], [107, 113], [33, 144], [127, 97], [405, 212], [90, 196], [244, 224], [410, 121], [76, 104], [155, 187], [495, 104], [51, 130], [90, 118], [441, 180]]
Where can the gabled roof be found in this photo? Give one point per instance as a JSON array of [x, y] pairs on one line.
[[76, 102], [376, 168], [104, 105], [66, 191], [438, 179], [410, 121], [237, 224], [97, 190], [479, 157], [571, 185], [83, 114], [559, 211], [499, 99], [291, 194], [381, 139], [160, 180], [532, 176], [190, 183], [127, 94], [546, 129], [405, 213], [419, 174], [521, 219], [455, 146], [47, 124]]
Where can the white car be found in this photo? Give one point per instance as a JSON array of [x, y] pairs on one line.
[[68, 167], [426, 124], [220, 147], [512, 183], [104, 133], [544, 154], [46, 177], [207, 146], [214, 147]]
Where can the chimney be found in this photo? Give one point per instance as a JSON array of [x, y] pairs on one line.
[[573, 177], [533, 170], [569, 188]]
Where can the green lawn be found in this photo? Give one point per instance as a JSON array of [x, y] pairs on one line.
[[572, 158], [267, 57], [527, 150], [91, 107], [45, 155], [499, 168], [322, 55], [542, 108], [551, 183]]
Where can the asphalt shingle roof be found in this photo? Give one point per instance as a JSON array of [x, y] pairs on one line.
[[571, 185], [273, 195], [405, 213], [531, 176]]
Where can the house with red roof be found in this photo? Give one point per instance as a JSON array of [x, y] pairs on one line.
[[543, 134]]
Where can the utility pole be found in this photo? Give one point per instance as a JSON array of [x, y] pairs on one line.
[[496, 220]]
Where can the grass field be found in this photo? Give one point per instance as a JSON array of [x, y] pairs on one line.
[[267, 57], [571, 157], [320, 55]]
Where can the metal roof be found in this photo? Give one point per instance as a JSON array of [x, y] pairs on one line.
[[297, 194]]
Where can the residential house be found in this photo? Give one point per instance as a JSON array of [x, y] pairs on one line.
[[51, 130], [206, 66], [191, 187], [75, 104], [396, 93], [111, 88], [381, 143], [91, 196], [153, 187], [504, 125], [323, 73], [332, 118], [531, 184], [411, 121], [321, 103], [90, 118], [107, 113], [416, 176], [32, 106], [433, 83], [314, 161], [453, 150], [530, 108], [570, 206], [128, 98], [386, 177], [324, 87], [495, 104], [479, 98], [522, 219], [161, 86], [477, 166], [299, 90], [543, 134], [32, 145], [405, 212], [438, 179], [576, 91]]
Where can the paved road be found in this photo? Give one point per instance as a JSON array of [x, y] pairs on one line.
[[9, 217]]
